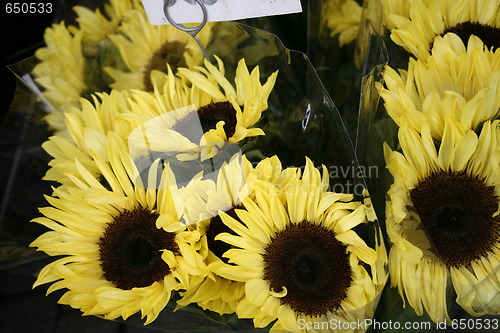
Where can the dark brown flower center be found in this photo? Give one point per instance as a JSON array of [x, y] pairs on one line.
[[130, 250], [171, 53], [312, 264], [216, 227], [456, 211], [208, 117], [489, 35]]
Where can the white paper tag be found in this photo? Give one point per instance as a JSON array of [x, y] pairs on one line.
[[189, 11]]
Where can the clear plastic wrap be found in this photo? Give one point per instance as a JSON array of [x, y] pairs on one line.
[[301, 128], [388, 130]]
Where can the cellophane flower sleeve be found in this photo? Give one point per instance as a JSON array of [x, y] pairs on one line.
[[23, 165], [407, 117], [144, 167]]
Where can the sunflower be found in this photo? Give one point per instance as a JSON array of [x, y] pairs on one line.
[[443, 218], [343, 18], [199, 111], [146, 48], [300, 259], [460, 82], [116, 259], [201, 200], [202, 204], [163, 122], [428, 19], [392, 11], [60, 72], [71, 62], [98, 50], [86, 127], [271, 170], [97, 25]]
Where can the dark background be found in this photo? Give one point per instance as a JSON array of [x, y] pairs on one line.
[[21, 35]]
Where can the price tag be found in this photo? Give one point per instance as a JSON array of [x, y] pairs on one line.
[[189, 11]]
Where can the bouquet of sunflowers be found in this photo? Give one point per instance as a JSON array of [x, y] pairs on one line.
[[227, 183], [435, 66], [223, 188], [447, 101]]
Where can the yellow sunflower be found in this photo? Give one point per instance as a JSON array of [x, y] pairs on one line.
[[71, 63], [393, 10], [162, 121], [98, 50], [428, 19], [145, 48], [271, 170], [460, 82], [301, 261], [124, 249], [202, 200], [86, 128], [200, 112], [343, 18], [97, 25], [443, 218], [60, 72]]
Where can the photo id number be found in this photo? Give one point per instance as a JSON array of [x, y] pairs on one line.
[[28, 8]]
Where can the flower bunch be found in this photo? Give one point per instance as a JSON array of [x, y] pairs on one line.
[[117, 49], [165, 196], [130, 235], [435, 66], [442, 213], [125, 244]]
